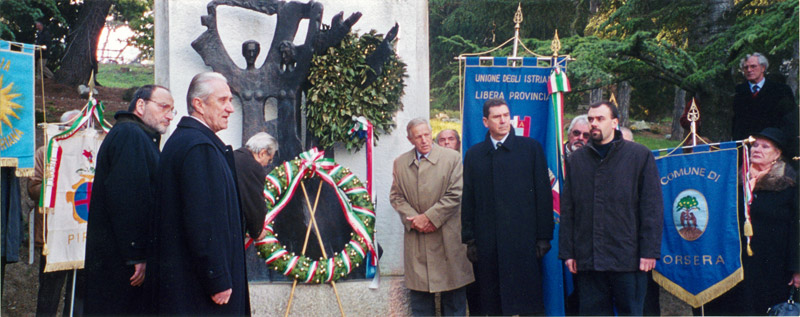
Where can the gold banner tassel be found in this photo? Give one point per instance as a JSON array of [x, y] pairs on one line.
[[748, 232]]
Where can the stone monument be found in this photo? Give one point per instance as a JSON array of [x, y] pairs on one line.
[[178, 24]]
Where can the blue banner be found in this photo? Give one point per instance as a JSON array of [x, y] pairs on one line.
[[524, 88], [700, 248], [17, 135]]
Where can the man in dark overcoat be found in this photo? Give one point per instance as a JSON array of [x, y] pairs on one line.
[[760, 103], [123, 198], [251, 161], [507, 217], [199, 237], [611, 218]]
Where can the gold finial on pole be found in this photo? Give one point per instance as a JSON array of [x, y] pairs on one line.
[[693, 116], [91, 85], [555, 45], [517, 20], [613, 100]]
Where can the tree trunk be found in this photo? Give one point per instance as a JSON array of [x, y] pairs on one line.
[[624, 101], [595, 96], [80, 58], [714, 97], [677, 111]]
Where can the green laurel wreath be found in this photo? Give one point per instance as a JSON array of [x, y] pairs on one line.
[[278, 191], [335, 95]]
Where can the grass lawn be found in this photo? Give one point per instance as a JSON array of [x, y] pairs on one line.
[[125, 76]]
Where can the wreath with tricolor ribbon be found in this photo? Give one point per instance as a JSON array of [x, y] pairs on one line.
[[281, 185]]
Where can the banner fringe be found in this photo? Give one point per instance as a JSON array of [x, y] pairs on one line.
[[24, 172], [63, 266], [14, 162], [705, 296]]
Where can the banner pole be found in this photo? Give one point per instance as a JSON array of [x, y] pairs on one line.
[[72, 297], [517, 20], [694, 116]]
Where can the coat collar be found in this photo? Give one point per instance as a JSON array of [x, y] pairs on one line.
[[615, 144], [779, 177], [191, 123], [433, 156], [123, 116], [508, 144]]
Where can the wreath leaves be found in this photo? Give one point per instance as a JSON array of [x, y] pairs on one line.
[[335, 95]]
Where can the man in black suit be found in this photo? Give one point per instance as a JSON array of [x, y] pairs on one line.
[[760, 103]]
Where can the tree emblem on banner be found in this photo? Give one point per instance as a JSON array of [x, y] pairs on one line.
[[690, 214]]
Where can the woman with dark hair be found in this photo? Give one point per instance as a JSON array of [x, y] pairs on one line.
[[770, 257]]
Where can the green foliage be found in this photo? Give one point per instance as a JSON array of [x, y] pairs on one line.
[[125, 76], [653, 44], [138, 15], [458, 27], [687, 202], [17, 19], [335, 96]]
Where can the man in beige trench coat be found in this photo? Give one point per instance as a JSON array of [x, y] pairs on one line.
[[426, 192]]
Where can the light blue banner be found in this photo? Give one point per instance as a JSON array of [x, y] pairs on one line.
[[17, 134]]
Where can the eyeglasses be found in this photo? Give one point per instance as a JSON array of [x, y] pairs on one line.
[[751, 66], [586, 135], [165, 107]]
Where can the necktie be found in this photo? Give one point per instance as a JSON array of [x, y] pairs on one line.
[[755, 89], [499, 144]]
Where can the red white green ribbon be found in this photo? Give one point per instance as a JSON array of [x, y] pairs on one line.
[[344, 181], [557, 85], [92, 109]]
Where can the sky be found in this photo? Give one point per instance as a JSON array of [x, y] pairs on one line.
[[116, 42]]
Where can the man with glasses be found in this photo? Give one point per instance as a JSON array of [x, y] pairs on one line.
[[122, 199], [577, 134], [760, 103]]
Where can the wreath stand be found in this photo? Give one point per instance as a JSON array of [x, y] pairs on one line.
[[353, 197], [312, 210]]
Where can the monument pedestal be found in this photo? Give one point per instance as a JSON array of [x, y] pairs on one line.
[[391, 299]]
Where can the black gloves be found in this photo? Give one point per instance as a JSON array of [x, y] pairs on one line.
[[542, 246], [472, 251]]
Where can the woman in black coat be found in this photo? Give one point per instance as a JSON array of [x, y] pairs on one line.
[[773, 262]]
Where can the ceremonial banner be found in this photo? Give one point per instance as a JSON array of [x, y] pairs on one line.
[[525, 90], [700, 248], [17, 136], [67, 189]]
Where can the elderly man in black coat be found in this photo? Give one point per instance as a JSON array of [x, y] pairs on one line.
[[122, 202], [198, 259], [506, 217], [251, 161], [760, 103]]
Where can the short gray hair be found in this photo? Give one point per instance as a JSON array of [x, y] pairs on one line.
[[69, 115], [579, 119], [762, 60], [415, 122], [262, 141], [200, 88]]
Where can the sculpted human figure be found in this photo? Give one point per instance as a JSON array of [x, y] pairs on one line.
[[282, 76]]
